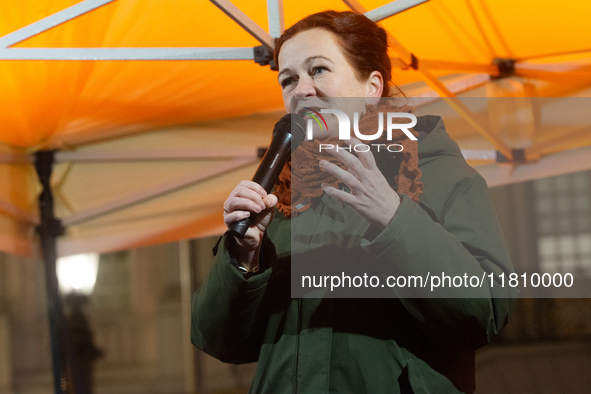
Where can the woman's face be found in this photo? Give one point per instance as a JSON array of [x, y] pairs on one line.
[[312, 66]]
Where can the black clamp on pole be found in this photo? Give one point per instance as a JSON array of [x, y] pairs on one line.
[[414, 62], [264, 56], [518, 156], [49, 224], [506, 67]]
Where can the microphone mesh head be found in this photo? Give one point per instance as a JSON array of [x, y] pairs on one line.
[[294, 124]]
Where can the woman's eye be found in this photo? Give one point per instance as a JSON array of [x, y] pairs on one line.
[[319, 70], [286, 82]]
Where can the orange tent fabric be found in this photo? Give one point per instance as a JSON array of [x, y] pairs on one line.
[[56, 104], [143, 107]]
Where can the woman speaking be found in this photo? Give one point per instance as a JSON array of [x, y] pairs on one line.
[[426, 207]]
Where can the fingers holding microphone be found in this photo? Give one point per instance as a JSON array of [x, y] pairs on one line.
[[250, 199], [246, 197]]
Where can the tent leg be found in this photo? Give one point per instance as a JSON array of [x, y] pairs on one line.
[[275, 17], [49, 229]]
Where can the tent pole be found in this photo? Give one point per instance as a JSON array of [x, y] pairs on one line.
[[489, 69], [50, 21], [544, 148], [245, 22], [156, 191], [12, 210], [355, 6], [552, 75], [392, 8], [49, 229], [96, 54], [275, 17]]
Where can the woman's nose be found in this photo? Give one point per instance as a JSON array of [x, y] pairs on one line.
[[305, 88]]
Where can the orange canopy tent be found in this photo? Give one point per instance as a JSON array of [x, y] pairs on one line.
[[169, 134], [149, 112]]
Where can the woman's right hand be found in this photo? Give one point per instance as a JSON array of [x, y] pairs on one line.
[[249, 197]]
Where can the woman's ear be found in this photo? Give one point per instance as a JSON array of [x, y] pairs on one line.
[[375, 84]]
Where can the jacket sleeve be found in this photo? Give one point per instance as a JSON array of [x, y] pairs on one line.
[[227, 311], [456, 234]]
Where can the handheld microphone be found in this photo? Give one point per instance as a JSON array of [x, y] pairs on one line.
[[288, 134]]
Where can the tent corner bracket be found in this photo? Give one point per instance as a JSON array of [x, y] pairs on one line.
[[264, 56], [506, 67], [414, 62], [49, 224], [518, 156]]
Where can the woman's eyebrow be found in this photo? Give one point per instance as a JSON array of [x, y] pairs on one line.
[[308, 60]]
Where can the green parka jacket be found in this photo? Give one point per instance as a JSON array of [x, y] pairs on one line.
[[390, 345]]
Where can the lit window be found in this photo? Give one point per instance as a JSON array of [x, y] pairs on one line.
[[563, 215]]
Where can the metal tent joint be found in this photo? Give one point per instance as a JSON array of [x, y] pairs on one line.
[[263, 56], [53, 227], [414, 62], [49, 224], [506, 67], [518, 156]]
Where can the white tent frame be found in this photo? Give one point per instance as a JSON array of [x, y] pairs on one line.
[[276, 27], [236, 159], [405, 59]]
